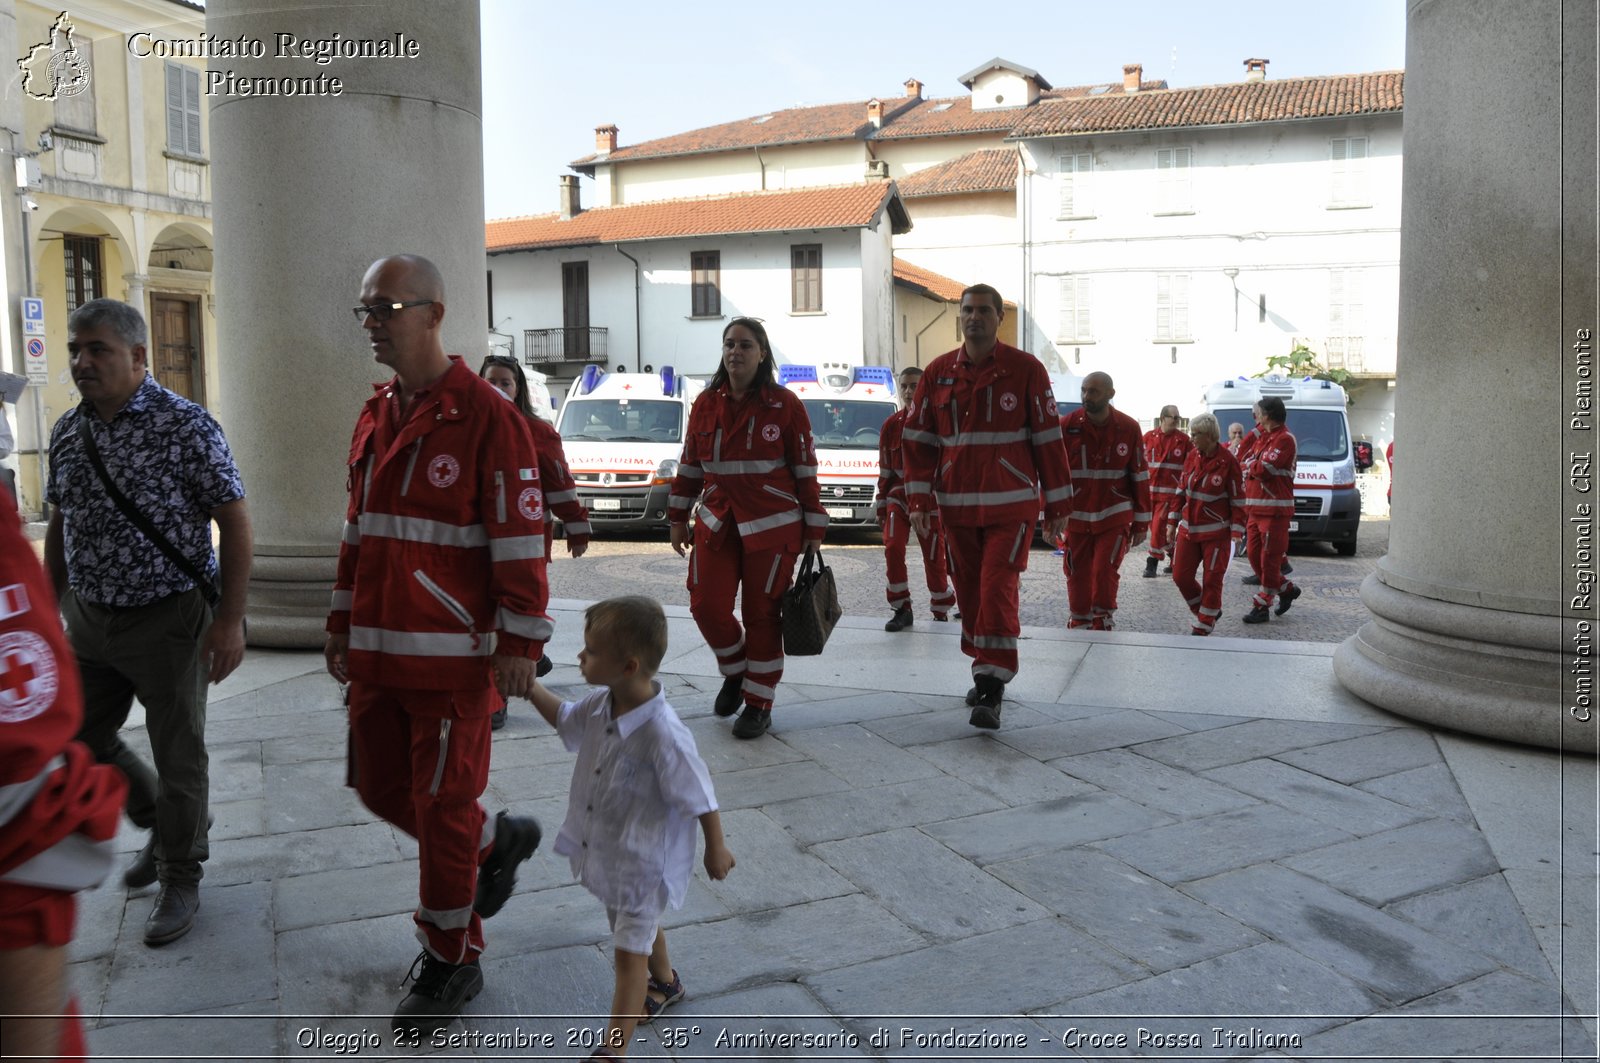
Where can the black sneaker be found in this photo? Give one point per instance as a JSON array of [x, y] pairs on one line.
[[1150, 564], [730, 697], [1167, 569], [1287, 568], [1286, 599], [986, 707], [1257, 615], [752, 722], [515, 839], [498, 719], [438, 993], [900, 620], [1252, 580], [544, 667]]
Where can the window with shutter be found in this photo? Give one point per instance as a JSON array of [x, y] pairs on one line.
[[81, 255], [805, 274], [183, 110], [705, 284], [1172, 306], [1172, 180], [1346, 319], [1074, 321], [76, 111], [1072, 176], [1349, 171]]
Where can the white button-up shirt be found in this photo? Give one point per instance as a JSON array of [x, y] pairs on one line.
[[638, 789]]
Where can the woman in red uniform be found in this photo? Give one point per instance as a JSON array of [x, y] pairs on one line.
[[560, 493], [1208, 511], [749, 460]]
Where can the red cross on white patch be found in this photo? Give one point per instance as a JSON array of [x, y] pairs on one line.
[[28, 677]]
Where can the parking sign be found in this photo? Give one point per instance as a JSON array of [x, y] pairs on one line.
[[32, 316]]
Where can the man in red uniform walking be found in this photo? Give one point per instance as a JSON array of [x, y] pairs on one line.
[[982, 445], [893, 518], [1269, 500], [439, 599], [1165, 449], [1110, 502]]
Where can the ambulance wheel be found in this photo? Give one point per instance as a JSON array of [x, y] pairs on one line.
[[1345, 549]]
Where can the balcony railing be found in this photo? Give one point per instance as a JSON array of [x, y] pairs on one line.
[[550, 346]]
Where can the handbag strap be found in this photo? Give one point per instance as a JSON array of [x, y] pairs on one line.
[[805, 564], [136, 516]]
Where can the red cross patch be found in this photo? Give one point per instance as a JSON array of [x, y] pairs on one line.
[[28, 677], [443, 470]]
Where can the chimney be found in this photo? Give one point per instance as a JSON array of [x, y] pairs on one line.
[[1132, 76], [914, 88], [875, 112], [1255, 69], [605, 139], [570, 207]]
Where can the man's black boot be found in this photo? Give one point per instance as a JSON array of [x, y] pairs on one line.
[[731, 697], [515, 839], [986, 708], [437, 995], [1150, 564], [900, 620]]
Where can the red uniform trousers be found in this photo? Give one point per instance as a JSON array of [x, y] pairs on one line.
[[1267, 543], [986, 566], [1205, 599], [718, 570], [1092, 563], [1163, 534], [32, 916], [420, 760], [896, 532]]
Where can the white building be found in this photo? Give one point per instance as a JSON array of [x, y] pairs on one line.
[[639, 286]]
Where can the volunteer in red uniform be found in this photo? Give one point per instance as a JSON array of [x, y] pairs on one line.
[[560, 493], [894, 519], [1269, 501], [749, 458], [1388, 457], [982, 446], [1207, 517], [1166, 448], [439, 599], [59, 812], [1110, 502]]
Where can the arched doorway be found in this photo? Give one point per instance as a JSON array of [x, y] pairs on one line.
[[179, 268]]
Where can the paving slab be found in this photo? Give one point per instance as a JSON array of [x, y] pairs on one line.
[[344, 894], [88, 981], [343, 978], [856, 812], [299, 749], [1004, 973], [311, 796], [234, 770], [1133, 914], [856, 708], [1010, 833], [1387, 867], [1246, 741], [1369, 757], [1200, 847], [1399, 960], [723, 753], [1102, 731], [1561, 911], [858, 756], [1309, 794], [301, 852], [995, 769], [753, 787], [926, 886], [1432, 789], [947, 722], [1484, 915], [210, 1037], [772, 869], [1198, 721], [1177, 792], [780, 1020]]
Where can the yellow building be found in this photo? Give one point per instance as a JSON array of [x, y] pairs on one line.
[[107, 122]]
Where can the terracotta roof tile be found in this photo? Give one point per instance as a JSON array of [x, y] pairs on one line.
[[927, 281], [1232, 104], [835, 207], [952, 115], [992, 170]]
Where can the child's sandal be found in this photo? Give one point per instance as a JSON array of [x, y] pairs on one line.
[[672, 992]]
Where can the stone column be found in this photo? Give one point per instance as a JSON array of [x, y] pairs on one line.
[[136, 283], [309, 190], [1471, 606]]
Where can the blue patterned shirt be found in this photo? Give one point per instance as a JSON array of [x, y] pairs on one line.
[[169, 457]]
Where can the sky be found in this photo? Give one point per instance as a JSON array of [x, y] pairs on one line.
[[658, 68]]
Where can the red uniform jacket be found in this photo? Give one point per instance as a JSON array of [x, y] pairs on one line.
[[1164, 455], [1210, 498], [982, 442], [1269, 475], [1109, 477], [891, 464], [443, 560], [560, 493], [60, 808], [752, 464]]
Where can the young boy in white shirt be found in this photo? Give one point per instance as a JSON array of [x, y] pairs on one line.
[[637, 789]]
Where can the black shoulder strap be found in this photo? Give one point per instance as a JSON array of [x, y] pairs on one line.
[[137, 518]]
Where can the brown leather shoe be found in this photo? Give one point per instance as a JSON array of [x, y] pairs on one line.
[[173, 915]]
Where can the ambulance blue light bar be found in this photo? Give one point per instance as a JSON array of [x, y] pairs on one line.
[[592, 375], [881, 375], [789, 374], [668, 381]]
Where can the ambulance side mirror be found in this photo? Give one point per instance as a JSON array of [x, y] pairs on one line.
[[1363, 451]]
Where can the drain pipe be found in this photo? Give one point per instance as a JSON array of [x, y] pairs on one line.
[[638, 334], [944, 308]]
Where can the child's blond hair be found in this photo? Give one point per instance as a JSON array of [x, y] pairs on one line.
[[636, 626]]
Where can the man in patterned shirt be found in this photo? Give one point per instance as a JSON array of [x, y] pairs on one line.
[[139, 624]]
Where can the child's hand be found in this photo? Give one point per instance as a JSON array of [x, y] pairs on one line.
[[719, 861]]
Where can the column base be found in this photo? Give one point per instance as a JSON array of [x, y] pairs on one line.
[[1487, 672], [288, 600]]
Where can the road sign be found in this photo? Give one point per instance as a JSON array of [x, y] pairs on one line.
[[32, 316], [38, 365]]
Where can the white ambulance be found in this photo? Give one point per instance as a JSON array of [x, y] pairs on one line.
[[1327, 506], [847, 406], [623, 434]]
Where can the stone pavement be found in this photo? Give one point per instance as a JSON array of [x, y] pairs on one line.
[[1170, 849]]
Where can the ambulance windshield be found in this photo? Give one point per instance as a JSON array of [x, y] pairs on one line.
[[1319, 434], [625, 420], [847, 424]]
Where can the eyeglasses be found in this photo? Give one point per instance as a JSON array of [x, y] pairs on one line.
[[381, 312]]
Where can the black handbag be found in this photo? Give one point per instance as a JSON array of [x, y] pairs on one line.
[[137, 518], [810, 609]]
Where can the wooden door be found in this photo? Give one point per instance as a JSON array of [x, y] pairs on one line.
[[575, 310], [174, 346]]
